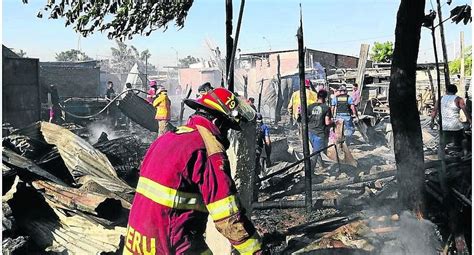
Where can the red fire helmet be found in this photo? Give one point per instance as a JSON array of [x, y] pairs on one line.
[[222, 103]]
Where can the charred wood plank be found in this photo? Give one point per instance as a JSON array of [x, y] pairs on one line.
[[363, 179], [282, 204]]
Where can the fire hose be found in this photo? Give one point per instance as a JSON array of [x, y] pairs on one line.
[[103, 109]]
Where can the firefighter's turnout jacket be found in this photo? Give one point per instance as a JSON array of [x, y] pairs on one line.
[[294, 105], [184, 177], [162, 104]]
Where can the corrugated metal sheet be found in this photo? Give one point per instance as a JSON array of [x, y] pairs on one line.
[[139, 110], [77, 199], [12, 159], [74, 235], [82, 159]]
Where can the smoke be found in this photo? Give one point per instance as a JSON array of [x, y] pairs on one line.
[[414, 237], [96, 129]]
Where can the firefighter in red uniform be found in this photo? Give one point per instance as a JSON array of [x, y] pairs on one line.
[[184, 177]]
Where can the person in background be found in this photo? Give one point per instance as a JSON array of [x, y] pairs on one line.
[[204, 89], [264, 146], [110, 92], [294, 105], [251, 102], [319, 122], [112, 109], [53, 102], [178, 90], [344, 109], [152, 92], [426, 100], [185, 178], [451, 104], [355, 95], [128, 87], [162, 104]]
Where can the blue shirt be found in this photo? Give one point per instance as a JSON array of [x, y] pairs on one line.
[[349, 101]]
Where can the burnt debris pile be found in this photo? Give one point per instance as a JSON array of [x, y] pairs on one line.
[[355, 206], [64, 194]]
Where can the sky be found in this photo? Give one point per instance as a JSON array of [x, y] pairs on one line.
[[338, 26]]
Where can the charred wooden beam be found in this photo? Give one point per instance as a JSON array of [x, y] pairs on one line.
[[282, 204], [362, 180]]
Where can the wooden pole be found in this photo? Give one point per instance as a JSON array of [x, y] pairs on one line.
[[229, 45], [304, 118], [279, 103], [363, 55], [408, 145], [462, 86], [442, 173], [234, 48], [260, 96], [443, 46]]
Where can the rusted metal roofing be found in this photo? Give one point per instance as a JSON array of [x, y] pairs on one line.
[[77, 199], [83, 159]]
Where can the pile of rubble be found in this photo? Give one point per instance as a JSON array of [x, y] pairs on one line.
[[355, 207], [61, 193]]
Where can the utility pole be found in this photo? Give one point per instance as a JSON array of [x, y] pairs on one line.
[[229, 45], [304, 118], [443, 46]]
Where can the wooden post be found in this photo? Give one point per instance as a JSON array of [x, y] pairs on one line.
[[230, 79], [408, 145], [304, 118], [279, 103], [246, 84], [363, 55], [229, 45], [443, 46], [260, 96], [441, 156]]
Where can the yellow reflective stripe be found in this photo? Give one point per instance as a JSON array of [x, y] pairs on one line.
[[215, 105], [250, 246], [169, 197], [183, 129], [126, 251], [223, 208]]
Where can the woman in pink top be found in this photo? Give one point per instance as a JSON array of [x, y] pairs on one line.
[[151, 92]]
